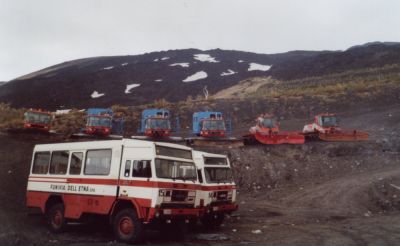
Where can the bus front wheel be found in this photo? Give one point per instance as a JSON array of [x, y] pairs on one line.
[[126, 226]]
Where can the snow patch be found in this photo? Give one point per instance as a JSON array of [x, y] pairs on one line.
[[182, 64], [204, 58], [156, 60], [124, 64], [62, 111], [197, 76], [164, 58], [108, 68], [240, 61], [158, 80], [95, 94], [130, 87], [255, 66], [229, 72]]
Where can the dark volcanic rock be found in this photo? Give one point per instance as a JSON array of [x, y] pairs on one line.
[[71, 84]]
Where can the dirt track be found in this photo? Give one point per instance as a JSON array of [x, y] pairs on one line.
[[316, 194]]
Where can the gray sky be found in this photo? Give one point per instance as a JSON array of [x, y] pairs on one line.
[[38, 33]]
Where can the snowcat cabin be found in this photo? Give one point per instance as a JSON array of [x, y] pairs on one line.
[[133, 182], [156, 123], [99, 121], [327, 120], [218, 190], [267, 122], [37, 120], [98, 124], [209, 124]]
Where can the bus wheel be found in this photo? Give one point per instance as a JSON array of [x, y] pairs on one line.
[[55, 218], [127, 227], [212, 220]]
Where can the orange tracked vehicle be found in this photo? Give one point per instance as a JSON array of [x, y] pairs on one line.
[[266, 131], [326, 127]]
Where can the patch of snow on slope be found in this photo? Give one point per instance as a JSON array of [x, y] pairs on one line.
[[230, 72], [62, 111], [158, 80], [164, 58], [240, 61], [196, 76], [182, 64], [156, 60], [130, 87], [255, 66], [95, 94], [204, 58], [124, 64], [108, 68]]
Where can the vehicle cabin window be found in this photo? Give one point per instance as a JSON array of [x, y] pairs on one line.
[[98, 162], [41, 162], [59, 162], [173, 152], [141, 169], [127, 171], [215, 161], [76, 163]]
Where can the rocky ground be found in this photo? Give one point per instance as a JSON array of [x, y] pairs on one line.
[[314, 194]]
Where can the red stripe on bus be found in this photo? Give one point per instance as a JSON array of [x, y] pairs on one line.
[[137, 183]]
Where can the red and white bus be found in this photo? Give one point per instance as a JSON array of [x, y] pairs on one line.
[[218, 190], [134, 182]]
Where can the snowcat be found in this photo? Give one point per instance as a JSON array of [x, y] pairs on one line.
[[210, 129], [266, 131], [102, 122], [37, 120], [155, 124], [326, 127]]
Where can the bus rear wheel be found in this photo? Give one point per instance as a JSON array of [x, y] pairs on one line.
[[55, 218], [126, 226]]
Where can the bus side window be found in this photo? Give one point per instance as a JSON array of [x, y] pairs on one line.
[[127, 168], [41, 162], [98, 162], [199, 175], [76, 163], [59, 162], [141, 169]]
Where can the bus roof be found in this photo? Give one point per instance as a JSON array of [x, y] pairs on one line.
[[105, 144]]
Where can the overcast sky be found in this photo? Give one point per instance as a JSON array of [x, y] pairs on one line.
[[38, 33]]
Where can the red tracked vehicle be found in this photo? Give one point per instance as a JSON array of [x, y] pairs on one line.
[[326, 127], [266, 131]]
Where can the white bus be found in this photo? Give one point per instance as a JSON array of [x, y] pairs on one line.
[[218, 190], [134, 182]]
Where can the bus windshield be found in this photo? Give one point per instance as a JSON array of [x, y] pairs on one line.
[[158, 124], [268, 123], [99, 121], [213, 125], [171, 169], [328, 121], [218, 175], [34, 117]]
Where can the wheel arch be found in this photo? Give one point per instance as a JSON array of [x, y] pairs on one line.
[[122, 204], [51, 201]]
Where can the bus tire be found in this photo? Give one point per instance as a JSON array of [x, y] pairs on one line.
[[56, 219], [126, 226], [213, 220]]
